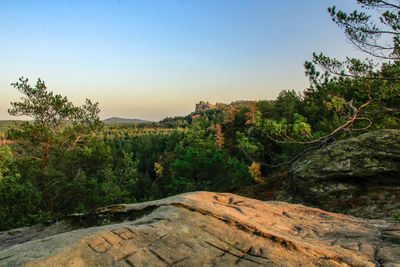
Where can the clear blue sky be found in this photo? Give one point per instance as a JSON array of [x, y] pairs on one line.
[[150, 59]]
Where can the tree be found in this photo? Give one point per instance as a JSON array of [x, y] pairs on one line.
[[219, 136], [378, 35], [366, 34], [58, 127], [379, 38], [57, 123]]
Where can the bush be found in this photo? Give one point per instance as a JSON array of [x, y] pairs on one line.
[[19, 203]]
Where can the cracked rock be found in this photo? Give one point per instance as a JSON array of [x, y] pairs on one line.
[[205, 229]]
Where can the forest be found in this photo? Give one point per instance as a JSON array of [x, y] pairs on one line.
[[221, 149], [65, 160]]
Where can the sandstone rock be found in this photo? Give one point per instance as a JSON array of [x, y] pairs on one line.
[[202, 107], [206, 229], [358, 176]]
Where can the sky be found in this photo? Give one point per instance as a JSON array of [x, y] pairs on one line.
[[150, 59]]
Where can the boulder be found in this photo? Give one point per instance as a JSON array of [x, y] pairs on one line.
[[205, 229], [359, 176]]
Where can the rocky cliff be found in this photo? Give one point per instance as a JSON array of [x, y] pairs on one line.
[[359, 176], [205, 229], [203, 106]]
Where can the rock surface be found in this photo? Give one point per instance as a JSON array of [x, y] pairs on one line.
[[205, 229], [359, 176]]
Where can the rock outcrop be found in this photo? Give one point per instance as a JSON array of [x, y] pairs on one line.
[[202, 107], [205, 229], [358, 176]]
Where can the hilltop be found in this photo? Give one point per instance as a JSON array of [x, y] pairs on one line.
[[204, 106]]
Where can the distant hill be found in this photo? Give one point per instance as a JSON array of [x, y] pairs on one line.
[[116, 120], [5, 124]]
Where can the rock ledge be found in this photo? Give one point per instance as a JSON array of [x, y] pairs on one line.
[[205, 229]]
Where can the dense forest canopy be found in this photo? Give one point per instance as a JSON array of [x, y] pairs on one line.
[[65, 161]]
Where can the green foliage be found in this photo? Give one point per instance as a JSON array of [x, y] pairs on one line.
[[57, 123], [366, 33], [58, 168], [191, 170], [6, 159], [19, 203], [396, 216], [281, 130], [179, 161], [58, 128]]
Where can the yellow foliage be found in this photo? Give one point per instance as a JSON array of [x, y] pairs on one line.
[[158, 168], [255, 172], [219, 137]]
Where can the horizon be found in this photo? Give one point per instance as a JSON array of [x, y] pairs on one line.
[[156, 59]]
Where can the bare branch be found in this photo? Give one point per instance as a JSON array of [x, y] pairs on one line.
[[74, 144]]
